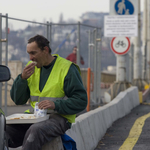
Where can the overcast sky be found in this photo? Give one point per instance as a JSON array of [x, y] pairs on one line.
[[40, 10]]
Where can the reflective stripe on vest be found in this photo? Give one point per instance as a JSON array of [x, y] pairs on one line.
[[34, 99], [39, 99], [54, 87]]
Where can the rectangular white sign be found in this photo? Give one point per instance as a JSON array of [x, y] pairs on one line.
[[121, 25]]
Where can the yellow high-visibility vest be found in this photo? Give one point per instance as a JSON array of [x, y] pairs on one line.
[[53, 89]]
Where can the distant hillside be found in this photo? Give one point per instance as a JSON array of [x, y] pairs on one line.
[[64, 38]]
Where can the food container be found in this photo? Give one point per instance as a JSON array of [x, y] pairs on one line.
[[39, 112], [24, 119]]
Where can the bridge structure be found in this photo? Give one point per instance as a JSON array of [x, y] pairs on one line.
[[97, 127], [122, 124]]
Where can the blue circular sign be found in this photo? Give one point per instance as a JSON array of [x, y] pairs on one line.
[[124, 7]]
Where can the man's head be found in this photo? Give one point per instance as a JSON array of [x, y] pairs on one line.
[[75, 49], [41, 42], [39, 50]]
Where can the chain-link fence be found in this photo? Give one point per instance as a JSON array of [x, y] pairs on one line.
[[63, 37]]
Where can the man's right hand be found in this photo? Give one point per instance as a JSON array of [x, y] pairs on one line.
[[28, 71]]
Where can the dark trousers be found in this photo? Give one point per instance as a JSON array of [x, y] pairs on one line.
[[34, 136]]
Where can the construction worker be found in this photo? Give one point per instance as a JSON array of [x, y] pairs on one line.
[[56, 84]]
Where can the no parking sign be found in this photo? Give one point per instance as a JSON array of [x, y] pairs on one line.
[[120, 45]]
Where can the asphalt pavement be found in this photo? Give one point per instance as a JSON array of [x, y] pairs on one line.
[[131, 132]]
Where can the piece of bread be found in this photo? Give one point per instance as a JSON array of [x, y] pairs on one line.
[[14, 118], [23, 117], [34, 62]]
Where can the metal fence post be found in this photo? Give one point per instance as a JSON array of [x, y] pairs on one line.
[[95, 65], [6, 62], [89, 48], [78, 49], [50, 38], [47, 30], [0, 57], [98, 68]]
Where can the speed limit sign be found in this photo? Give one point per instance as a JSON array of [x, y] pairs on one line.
[[120, 45]]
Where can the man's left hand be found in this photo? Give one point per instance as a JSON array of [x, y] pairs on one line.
[[46, 104]]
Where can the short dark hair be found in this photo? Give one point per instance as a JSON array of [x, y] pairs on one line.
[[41, 42], [74, 47]]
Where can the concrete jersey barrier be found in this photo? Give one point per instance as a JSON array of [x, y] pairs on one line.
[[90, 127]]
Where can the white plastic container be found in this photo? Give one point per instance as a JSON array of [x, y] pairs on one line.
[[39, 112]]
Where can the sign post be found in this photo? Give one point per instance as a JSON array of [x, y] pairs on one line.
[[121, 24]]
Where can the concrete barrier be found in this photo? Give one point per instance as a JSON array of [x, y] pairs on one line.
[[90, 127]]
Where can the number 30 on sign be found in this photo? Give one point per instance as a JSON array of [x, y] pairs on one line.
[[120, 45]]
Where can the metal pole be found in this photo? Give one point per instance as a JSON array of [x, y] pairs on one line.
[[145, 63], [0, 38], [127, 77], [89, 56], [121, 67], [92, 51], [131, 64], [148, 43], [95, 66], [6, 62], [50, 38], [47, 30], [99, 68], [116, 67], [137, 51], [78, 49], [0, 57], [144, 38], [92, 64]]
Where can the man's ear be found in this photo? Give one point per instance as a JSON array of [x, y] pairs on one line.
[[46, 49]]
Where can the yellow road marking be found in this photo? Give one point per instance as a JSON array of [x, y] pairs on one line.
[[146, 103], [134, 133]]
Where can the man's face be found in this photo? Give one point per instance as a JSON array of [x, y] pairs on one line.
[[36, 54], [75, 50]]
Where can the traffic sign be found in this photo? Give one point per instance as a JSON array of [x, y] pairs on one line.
[[120, 45], [124, 7], [120, 25]]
